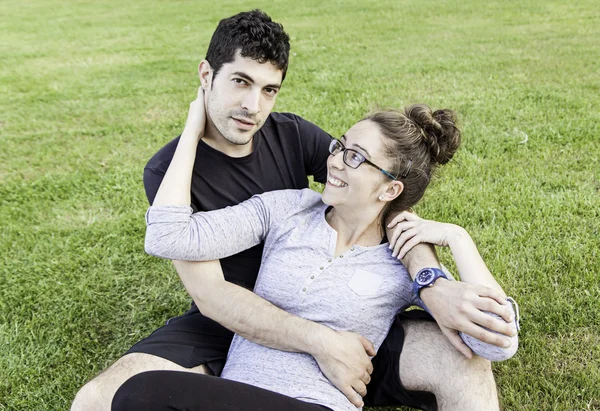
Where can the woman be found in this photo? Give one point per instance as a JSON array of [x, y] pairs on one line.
[[326, 259]]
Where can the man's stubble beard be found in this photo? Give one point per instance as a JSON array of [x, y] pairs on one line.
[[223, 125]]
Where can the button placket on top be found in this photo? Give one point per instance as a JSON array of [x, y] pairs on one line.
[[322, 267], [314, 275]]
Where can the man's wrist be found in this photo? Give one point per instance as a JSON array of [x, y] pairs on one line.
[[316, 339], [420, 256], [427, 292]]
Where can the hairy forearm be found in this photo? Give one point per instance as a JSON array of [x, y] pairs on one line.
[[419, 257], [246, 313]]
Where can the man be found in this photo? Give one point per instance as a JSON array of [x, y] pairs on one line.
[[246, 150]]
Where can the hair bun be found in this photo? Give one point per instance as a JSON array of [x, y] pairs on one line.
[[438, 131]]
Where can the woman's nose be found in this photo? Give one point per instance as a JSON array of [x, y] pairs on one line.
[[337, 160]]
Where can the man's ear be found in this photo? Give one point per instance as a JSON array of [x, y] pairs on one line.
[[205, 72], [395, 188]]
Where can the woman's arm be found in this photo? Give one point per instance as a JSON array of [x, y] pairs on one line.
[[176, 185], [173, 232], [411, 230]]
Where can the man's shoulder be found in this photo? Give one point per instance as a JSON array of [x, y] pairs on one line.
[[162, 158], [285, 119], [286, 126]]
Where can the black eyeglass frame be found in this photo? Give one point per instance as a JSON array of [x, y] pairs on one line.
[[336, 146]]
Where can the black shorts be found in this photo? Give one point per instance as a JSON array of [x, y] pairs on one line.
[[193, 339]]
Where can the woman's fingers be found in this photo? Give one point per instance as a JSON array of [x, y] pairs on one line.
[[400, 228], [408, 246], [404, 237], [403, 216]]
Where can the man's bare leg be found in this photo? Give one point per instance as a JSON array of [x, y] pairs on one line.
[[97, 394], [429, 362]]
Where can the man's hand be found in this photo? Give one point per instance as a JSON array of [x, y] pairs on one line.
[[458, 306], [196, 120], [344, 359]]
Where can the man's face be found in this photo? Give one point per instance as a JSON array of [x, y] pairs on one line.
[[240, 98]]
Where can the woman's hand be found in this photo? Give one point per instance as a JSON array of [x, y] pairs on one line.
[[196, 119], [410, 230]]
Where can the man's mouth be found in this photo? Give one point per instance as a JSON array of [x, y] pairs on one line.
[[243, 123], [336, 182]]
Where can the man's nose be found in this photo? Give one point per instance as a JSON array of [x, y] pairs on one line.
[[251, 102]]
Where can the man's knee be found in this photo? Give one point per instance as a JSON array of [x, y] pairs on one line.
[[88, 397], [427, 353], [98, 393], [130, 395], [429, 362]]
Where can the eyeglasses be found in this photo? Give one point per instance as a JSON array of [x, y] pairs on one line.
[[353, 158]]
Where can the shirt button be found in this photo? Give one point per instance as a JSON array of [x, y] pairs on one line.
[[329, 260], [321, 267], [312, 277], [342, 256], [304, 289], [351, 248]]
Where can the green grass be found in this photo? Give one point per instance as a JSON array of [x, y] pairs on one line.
[[90, 90]]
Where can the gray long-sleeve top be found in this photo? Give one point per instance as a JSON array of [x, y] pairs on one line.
[[360, 290]]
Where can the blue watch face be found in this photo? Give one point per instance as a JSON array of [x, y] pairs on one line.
[[425, 277]]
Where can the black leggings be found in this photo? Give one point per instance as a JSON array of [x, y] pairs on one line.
[[175, 390]]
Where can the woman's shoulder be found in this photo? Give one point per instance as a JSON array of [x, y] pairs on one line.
[[289, 201], [301, 197]]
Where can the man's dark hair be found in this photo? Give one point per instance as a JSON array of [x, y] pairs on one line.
[[255, 35]]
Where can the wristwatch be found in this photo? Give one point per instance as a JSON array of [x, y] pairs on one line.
[[425, 278]]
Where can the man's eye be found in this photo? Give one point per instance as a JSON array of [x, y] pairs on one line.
[[239, 81], [271, 91]]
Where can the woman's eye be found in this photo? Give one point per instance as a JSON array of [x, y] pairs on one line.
[[357, 158]]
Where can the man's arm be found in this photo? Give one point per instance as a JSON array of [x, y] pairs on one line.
[[342, 356], [457, 306]]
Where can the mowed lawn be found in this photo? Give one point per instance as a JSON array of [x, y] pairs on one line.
[[90, 90]]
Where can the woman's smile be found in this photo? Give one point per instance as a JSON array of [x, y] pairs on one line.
[[336, 182]]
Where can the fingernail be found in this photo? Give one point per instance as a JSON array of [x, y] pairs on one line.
[[506, 343]]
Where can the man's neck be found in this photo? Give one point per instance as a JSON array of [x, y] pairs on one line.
[[215, 139]]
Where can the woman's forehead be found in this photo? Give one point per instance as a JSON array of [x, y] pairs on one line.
[[365, 134]]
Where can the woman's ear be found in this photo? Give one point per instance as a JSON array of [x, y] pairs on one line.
[[393, 191], [205, 73]]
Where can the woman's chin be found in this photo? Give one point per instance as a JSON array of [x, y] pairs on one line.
[[327, 198]]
